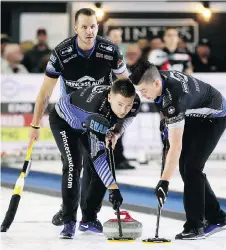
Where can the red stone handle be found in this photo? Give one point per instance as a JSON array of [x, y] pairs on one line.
[[127, 217]]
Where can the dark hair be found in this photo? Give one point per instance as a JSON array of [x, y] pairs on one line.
[[144, 72], [124, 87], [41, 31], [113, 28], [84, 11]]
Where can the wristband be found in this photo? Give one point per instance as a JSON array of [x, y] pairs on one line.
[[34, 126]]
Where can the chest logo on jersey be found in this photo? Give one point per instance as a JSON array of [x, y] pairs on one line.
[[85, 81], [96, 90], [69, 58], [106, 47], [107, 57], [165, 101], [171, 110], [66, 51]]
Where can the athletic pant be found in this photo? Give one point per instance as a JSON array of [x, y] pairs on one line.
[[199, 140], [74, 146], [118, 152]]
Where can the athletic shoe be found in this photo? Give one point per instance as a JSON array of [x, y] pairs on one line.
[[69, 230], [210, 229], [57, 219], [191, 234], [91, 226]]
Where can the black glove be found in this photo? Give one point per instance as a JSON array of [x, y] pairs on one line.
[[161, 191], [115, 198]]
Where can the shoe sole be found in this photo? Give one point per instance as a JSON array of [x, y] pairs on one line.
[[88, 232], [194, 238], [66, 237]]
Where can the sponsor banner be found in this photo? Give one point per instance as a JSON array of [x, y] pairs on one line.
[[137, 28], [24, 88], [21, 135], [21, 120], [21, 108]]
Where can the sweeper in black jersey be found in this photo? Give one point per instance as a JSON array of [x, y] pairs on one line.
[[75, 121], [195, 113], [80, 61]]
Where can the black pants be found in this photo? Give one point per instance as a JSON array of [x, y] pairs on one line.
[[119, 152], [74, 146], [199, 140]]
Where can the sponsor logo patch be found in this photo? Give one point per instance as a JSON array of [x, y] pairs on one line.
[[66, 51], [85, 81], [69, 58], [171, 110], [106, 47]]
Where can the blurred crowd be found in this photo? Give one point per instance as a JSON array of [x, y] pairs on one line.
[[169, 52]]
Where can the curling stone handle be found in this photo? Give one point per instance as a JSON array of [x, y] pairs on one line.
[[127, 216]]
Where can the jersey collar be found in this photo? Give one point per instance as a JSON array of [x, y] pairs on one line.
[[159, 98], [80, 51]]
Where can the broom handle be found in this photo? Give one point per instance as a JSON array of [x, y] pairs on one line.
[[112, 166], [164, 154]]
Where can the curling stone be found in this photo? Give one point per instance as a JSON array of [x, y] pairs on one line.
[[131, 228]]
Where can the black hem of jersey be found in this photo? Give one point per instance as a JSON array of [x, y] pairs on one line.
[[51, 75]]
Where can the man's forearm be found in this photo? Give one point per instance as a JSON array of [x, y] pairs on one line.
[[172, 161], [40, 107]]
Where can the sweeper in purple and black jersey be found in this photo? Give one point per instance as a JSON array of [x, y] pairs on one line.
[[75, 121]]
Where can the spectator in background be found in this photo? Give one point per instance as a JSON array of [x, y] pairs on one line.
[[156, 43], [145, 48], [115, 35], [178, 59], [143, 43], [44, 63], [12, 58], [32, 59], [133, 55], [202, 60], [4, 42], [26, 46], [182, 45], [156, 54]]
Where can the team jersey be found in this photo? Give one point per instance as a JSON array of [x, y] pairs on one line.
[[78, 69], [178, 60], [185, 96], [76, 107]]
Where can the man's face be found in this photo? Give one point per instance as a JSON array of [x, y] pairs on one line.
[[203, 51], [150, 90], [15, 55], [133, 54], [171, 37], [120, 105], [42, 38], [115, 36], [157, 43], [143, 43], [86, 28]]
